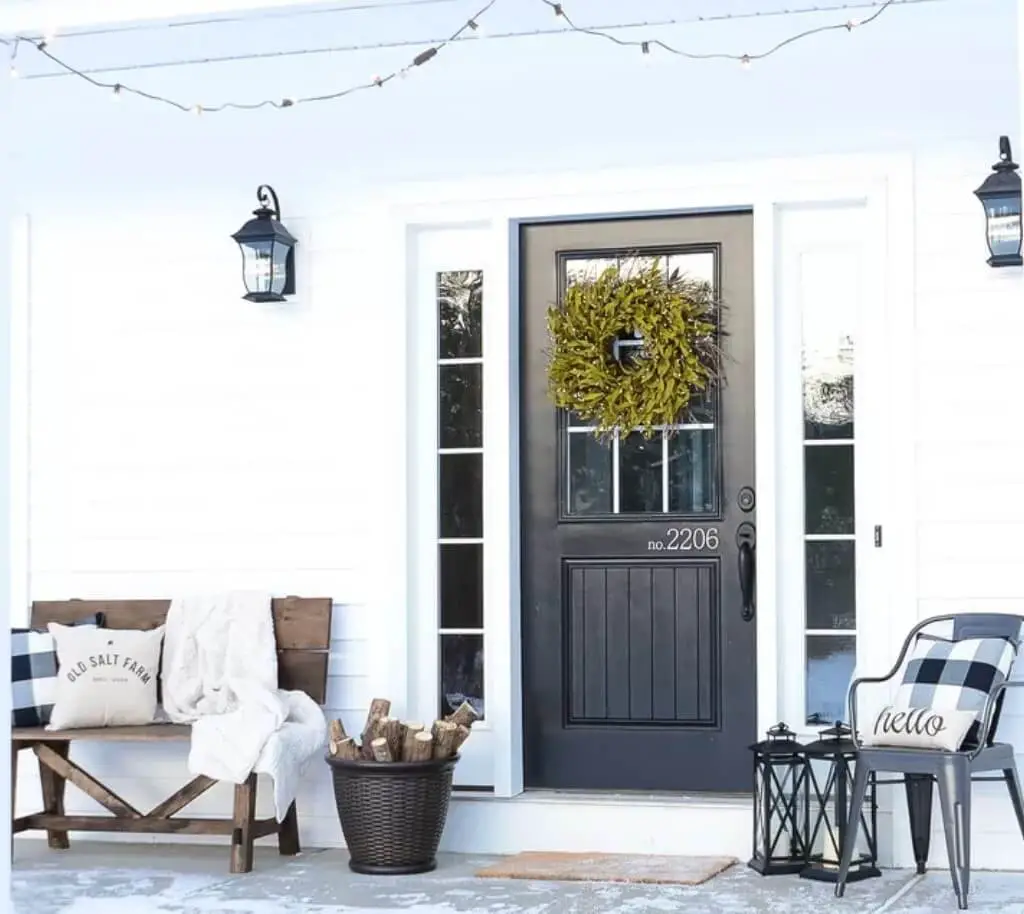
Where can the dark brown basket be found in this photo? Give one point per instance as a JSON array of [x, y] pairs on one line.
[[392, 813]]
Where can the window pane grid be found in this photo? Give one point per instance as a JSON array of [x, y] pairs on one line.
[[460, 542], [674, 473], [830, 547]]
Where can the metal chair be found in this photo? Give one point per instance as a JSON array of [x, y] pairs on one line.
[[952, 771]]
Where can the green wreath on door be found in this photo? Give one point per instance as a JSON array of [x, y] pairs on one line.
[[633, 346]]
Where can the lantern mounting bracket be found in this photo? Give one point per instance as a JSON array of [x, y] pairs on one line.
[[268, 202]]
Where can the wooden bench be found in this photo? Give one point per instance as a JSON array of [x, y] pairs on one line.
[[302, 628]]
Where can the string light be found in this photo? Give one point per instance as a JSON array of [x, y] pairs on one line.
[[472, 25], [119, 89], [744, 60]]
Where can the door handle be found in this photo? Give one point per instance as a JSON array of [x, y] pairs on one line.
[[746, 565]]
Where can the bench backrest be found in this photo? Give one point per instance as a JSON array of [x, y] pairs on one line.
[[302, 628]]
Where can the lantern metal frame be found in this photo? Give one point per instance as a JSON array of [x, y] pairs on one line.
[[831, 799], [266, 227], [780, 796], [1004, 182]]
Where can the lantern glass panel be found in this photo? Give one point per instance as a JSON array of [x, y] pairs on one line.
[[1004, 224], [257, 263], [279, 268]]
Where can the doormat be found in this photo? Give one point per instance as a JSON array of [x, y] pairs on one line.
[[642, 868]]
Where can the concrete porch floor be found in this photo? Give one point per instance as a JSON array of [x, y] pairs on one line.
[[98, 878]]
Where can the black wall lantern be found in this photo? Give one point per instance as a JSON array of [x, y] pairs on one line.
[[1001, 197], [780, 804], [831, 764], [268, 251]]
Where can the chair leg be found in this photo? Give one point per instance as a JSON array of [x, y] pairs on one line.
[[1013, 786], [919, 806], [53, 785], [955, 798], [860, 789], [288, 833], [242, 837]]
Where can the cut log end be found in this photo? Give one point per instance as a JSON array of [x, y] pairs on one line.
[[464, 715], [345, 749], [380, 750], [444, 734], [420, 748]]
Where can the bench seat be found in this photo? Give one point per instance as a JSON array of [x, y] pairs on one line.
[[302, 630], [147, 734]]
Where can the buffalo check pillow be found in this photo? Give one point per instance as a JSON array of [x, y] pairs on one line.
[[34, 673], [955, 676]]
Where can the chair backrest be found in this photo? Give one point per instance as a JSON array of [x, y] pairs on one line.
[[964, 626], [302, 629]]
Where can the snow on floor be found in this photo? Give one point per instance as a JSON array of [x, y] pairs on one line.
[[108, 878]]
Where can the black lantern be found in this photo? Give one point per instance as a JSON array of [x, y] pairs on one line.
[[780, 804], [1001, 197], [268, 251], [831, 765]]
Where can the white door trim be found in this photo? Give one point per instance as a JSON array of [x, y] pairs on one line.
[[497, 207]]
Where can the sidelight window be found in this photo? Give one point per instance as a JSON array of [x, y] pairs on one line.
[[460, 543], [829, 453], [674, 473]]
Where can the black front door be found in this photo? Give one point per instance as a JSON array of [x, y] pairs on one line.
[[638, 644]]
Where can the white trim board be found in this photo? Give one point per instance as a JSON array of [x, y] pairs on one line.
[[490, 211]]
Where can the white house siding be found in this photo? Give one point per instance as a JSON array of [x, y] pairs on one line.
[[969, 480], [179, 437]]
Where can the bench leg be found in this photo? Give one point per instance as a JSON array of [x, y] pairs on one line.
[[288, 833], [244, 819], [15, 753], [53, 797]]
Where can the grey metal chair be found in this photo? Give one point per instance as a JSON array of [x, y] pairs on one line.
[[952, 771]]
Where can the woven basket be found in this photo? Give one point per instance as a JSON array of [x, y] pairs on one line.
[[392, 813]]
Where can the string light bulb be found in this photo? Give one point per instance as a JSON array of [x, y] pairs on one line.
[[13, 71], [116, 94], [745, 61]]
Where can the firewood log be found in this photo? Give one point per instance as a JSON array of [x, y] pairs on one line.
[[345, 749], [394, 733], [461, 735], [380, 750], [464, 715], [420, 748], [379, 707], [408, 739], [444, 738], [337, 730]]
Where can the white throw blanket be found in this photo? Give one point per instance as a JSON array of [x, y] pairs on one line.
[[220, 675]]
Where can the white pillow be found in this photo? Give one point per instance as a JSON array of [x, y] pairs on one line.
[[107, 677], [919, 728]]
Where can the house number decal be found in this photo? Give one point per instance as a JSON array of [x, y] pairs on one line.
[[685, 539]]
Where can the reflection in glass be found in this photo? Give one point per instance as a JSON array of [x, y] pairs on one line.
[[828, 488], [828, 403], [590, 475], [830, 664], [462, 672], [640, 482], [462, 585], [578, 269], [461, 495], [831, 584], [696, 265], [460, 406], [460, 305], [692, 472]]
